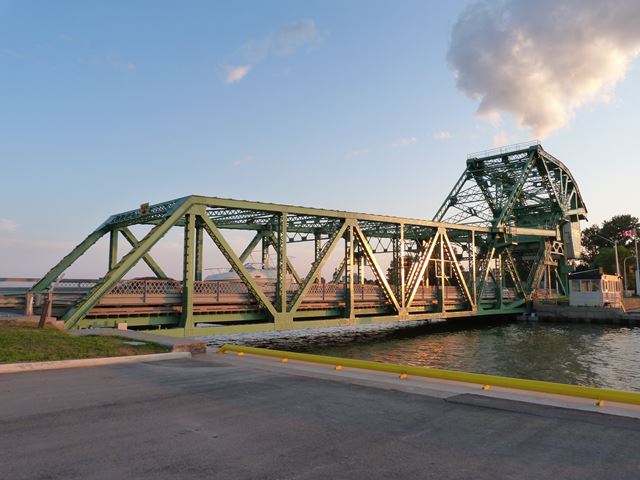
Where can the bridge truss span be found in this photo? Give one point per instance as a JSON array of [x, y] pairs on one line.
[[497, 240]]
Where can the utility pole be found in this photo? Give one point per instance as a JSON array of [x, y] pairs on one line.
[[615, 248], [624, 269], [635, 240]]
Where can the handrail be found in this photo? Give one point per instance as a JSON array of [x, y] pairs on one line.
[[504, 149]]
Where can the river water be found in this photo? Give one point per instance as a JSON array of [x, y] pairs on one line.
[[579, 354]]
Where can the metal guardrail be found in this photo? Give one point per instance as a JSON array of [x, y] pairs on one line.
[[149, 292], [505, 149], [599, 394]]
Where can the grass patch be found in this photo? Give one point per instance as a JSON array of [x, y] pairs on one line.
[[27, 343]]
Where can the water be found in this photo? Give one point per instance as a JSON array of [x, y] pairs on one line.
[[579, 354]]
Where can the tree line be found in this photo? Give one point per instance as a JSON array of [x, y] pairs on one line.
[[598, 250]]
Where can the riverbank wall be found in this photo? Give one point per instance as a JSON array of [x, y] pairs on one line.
[[564, 313]]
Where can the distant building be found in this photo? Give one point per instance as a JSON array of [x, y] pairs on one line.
[[595, 289]]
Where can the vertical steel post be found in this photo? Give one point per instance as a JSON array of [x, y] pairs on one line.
[[266, 241], [635, 239], [317, 248], [28, 306], [348, 265], [615, 247], [395, 261], [500, 293], [402, 286], [361, 269], [113, 248], [474, 278], [186, 319], [199, 239], [281, 287], [443, 284]]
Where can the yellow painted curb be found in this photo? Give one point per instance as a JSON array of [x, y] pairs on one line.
[[487, 381]]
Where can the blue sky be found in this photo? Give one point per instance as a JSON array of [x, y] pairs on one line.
[[106, 105]]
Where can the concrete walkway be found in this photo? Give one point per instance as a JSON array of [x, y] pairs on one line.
[[177, 344], [214, 416]]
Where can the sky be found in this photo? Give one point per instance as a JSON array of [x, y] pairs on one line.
[[366, 106]]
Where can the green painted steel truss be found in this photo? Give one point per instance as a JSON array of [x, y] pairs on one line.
[[496, 242]]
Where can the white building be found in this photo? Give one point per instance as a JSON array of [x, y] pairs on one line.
[[595, 289]]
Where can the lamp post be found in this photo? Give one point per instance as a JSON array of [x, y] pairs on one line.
[[635, 239], [624, 269], [615, 248]]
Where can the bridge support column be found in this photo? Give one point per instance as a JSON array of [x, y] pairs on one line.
[[348, 283], [199, 237], [281, 249], [500, 282], [186, 319], [443, 280], [265, 251], [317, 248], [402, 287], [113, 248]]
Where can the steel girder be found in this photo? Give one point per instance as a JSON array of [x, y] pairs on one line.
[[491, 245]]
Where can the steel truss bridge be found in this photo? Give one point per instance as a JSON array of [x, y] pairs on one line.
[[504, 235]]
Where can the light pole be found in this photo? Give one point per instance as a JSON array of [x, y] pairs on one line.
[[615, 248], [635, 239], [624, 269]]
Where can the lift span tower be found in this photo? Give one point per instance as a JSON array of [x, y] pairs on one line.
[[502, 237]]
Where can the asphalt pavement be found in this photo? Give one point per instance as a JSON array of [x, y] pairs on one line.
[[210, 417]]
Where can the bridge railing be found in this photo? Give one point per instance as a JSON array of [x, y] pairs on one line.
[[130, 294]]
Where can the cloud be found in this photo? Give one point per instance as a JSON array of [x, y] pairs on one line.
[[285, 41], [442, 135], [111, 60], [500, 139], [8, 225], [405, 142], [235, 74], [356, 153], [243, 161], [540, 61], [11, 54]]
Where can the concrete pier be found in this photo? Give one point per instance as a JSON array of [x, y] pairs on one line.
[[602, 315], [227, 417]]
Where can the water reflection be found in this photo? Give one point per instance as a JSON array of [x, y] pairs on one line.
[[580, 354]]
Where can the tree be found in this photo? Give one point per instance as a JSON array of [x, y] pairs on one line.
[[606, 259], [595, 237]]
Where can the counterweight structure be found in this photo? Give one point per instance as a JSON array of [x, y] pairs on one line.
[[504, 235]]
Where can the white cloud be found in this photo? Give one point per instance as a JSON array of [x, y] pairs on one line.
[[8, 225], [111, 60], [243, 161], [235, 74], [405, 142], [442, 135], [11, 54], [285, 41], [356, 153], [500, 139], [540, 61]]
